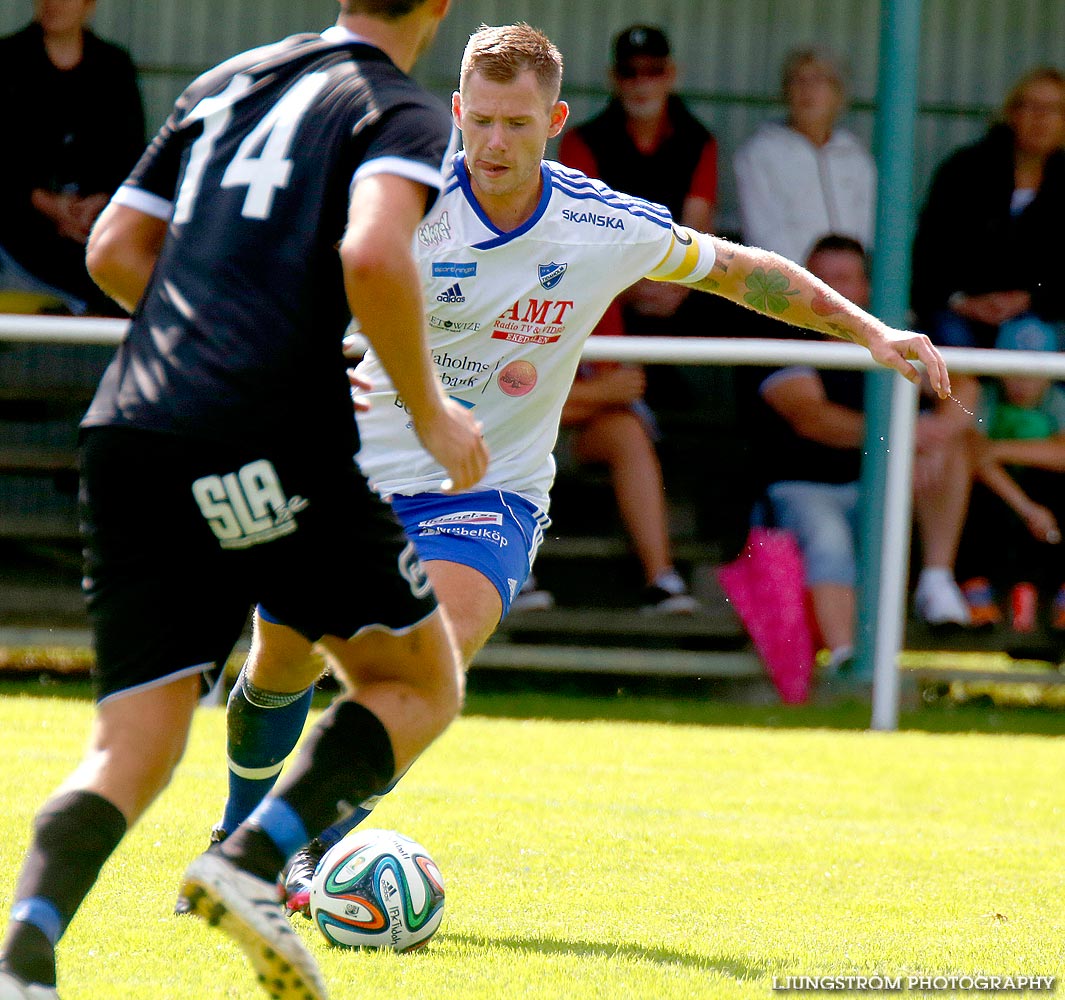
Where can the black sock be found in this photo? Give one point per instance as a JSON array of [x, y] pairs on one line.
[[73, 835], [32, 954], [346, 757]]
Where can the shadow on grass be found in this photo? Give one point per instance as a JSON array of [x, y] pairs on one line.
[[686, 701], [597, 949], [23, 684], [680, 701]]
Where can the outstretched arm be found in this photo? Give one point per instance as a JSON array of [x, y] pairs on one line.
[[771, 284]]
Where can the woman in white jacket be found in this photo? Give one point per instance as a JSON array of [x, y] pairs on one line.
[[804, 177]]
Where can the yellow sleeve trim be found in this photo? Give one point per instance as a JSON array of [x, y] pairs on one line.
[[687, 264]]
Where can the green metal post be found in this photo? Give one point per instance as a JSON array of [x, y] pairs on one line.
[[900, 33]]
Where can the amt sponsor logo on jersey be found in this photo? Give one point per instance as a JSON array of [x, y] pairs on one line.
[[593, 219], [247, 507], [434, 233], [533, 321]]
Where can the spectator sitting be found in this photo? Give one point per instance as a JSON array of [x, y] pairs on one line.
[[804, 177], [647, 142], [1012, 536], [988, 246], [814, 427], [612, 425], [609, 423], [73, 103]]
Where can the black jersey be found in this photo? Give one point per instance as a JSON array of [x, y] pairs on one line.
[[238, 335]]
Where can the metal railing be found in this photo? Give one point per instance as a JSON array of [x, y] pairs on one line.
[[885, 619]]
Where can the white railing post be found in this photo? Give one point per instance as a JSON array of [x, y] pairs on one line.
[[894, 544]]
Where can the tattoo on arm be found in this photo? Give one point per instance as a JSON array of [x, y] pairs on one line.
[[822, 305], [843, 332], [768, 291]]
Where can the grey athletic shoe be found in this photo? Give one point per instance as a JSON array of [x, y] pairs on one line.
[[13, 988], [248, 909]]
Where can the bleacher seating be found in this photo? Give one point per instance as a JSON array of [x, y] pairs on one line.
[[585, 560], [44, 389]]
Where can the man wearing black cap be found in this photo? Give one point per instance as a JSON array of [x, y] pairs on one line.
[[646, 142]]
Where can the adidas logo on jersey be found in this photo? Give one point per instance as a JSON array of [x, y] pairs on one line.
[[453, 294]]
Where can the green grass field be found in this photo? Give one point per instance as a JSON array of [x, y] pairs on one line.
[[593, 848]]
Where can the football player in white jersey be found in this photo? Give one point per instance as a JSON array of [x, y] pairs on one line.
[[519, 258]]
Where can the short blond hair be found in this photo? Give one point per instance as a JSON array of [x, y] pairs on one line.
[[504, 52]]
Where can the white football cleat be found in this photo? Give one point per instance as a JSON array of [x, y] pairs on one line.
[[13, 988], [248, 909]]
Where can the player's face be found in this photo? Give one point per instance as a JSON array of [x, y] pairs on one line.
[[505, 128]]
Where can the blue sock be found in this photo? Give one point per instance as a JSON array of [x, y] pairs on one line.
[[281, 823], [263, 728]]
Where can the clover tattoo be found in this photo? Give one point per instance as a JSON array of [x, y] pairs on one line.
[[768, 292]]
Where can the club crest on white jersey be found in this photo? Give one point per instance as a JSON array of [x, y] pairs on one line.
[[551, 274]]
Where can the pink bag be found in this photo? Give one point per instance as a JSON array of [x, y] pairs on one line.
[[766, 586]]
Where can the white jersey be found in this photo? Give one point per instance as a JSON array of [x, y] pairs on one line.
[[508, 314]]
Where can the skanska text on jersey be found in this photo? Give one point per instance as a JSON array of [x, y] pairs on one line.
[[593, 219]]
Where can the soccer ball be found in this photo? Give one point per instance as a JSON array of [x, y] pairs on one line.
[[377, 889]]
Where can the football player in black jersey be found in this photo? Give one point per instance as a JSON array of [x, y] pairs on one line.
[[280, 197]]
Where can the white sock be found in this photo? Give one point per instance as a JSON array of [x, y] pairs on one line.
[[935, 575], [838, 655]]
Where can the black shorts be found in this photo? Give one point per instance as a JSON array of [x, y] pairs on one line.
[[182, 537]]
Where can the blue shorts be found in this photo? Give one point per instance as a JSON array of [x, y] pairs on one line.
[[493, 532]]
